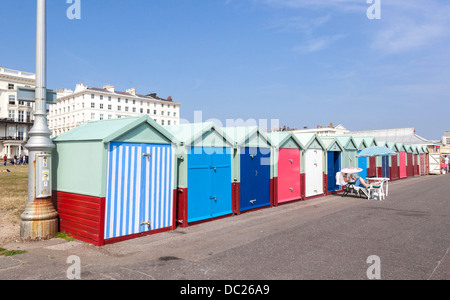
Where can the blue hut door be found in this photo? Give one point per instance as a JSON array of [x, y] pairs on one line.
[[209, 183], [255, 178], [139, 196], [362, 164], [333, 166], [385, 166]]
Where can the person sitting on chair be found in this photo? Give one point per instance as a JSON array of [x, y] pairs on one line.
[[358, 182]]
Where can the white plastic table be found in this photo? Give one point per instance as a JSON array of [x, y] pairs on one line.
[[383, 181]]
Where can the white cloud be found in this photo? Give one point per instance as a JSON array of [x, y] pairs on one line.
[[317, 44]]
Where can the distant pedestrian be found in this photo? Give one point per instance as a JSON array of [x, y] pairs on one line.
[[5, 158], [446, 163]]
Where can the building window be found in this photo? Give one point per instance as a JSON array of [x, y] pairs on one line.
[[118, 100], [92, 96], [109, 117], [21, 116], [12, 132], [109, 98], [10, 86], [119, 107], [92, 105], [134, 109], [174, 114], [101, 106], [101, 97], [154, 112], [109, 106], [126, 100], [162, 113], [11, 114], [93, 116], [162, 122], [168, 122], [141, 110], [12, 99], [101, 116], [134, 101]]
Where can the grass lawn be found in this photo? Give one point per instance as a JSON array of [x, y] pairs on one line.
[[13, 191]]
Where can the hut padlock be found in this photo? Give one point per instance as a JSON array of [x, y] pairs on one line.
[[252, 201], [252, 156], [292, 161], [146, 155], [146, 224], [213, 198], [291, 189]]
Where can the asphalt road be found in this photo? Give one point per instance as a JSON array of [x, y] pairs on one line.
[[328, 238]]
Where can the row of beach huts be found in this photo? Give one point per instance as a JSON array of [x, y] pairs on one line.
[[119, 179]]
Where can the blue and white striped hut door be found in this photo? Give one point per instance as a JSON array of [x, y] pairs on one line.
[[139, 195]]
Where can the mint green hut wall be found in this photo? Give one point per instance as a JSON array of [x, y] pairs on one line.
[[80, 156], [195, 135], [332, 144], [204, 139], [283, 140], [349, 158], [251, 192], [313, 174], [247, 137]]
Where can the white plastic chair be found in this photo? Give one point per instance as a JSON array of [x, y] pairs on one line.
[[350, 187]]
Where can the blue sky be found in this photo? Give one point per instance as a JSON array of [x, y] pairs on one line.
[[304, 62]]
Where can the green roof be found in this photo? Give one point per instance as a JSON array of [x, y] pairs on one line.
[[346, 140], [240, 134], [280, 138], [307, 138], [108, 130], [188, 133], [329, 141]]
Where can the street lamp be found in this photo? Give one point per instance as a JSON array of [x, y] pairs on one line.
[[39, 219]]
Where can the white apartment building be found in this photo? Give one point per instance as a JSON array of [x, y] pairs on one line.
[[87, 104], [326, 130], [16, 117]]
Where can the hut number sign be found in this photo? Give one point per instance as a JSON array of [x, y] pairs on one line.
[[43, 182]]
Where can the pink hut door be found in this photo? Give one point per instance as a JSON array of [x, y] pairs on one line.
[[402, 164], [289, 175]]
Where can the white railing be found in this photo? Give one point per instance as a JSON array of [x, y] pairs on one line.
[[16, 73]]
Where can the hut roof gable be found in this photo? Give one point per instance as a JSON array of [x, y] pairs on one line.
[[110, 130]]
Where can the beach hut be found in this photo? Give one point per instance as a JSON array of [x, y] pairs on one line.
[[423, 160], [409, 161], [383, 162], [114, 180], [349, 158], [372, 170], [204, 182], [402, 158], [362, 161], [334, 150], [313, 162], [252, 161], [394, 172], [416, 160], [287, 185]]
